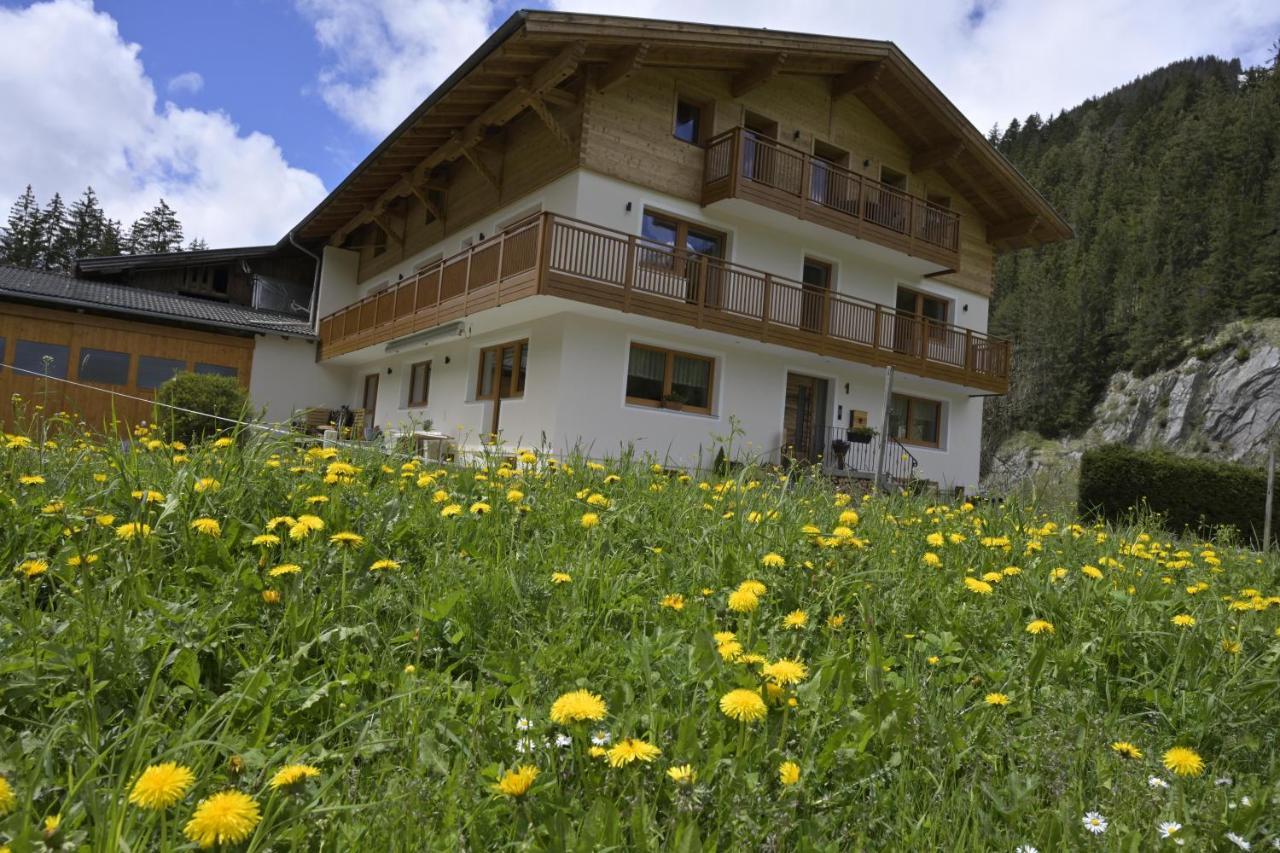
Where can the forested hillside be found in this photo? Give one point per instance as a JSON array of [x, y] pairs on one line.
[[1172, 184]]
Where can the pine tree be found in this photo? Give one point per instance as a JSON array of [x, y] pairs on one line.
[[23, 237], [86, 224], [157, 231], [197, 245], [112, 242], [54, 250]]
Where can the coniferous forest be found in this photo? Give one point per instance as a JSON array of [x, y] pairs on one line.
[[1172, 184], [54, 236]]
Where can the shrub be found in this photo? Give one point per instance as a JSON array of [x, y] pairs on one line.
[[1189, 493], [212, 395]]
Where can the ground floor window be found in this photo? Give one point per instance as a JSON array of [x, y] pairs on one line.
[[916, 421], [103, 366], [216, 370], [419, 383], [656, 376], [30, 356], [154, 372]]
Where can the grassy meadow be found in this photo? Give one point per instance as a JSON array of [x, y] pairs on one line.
[[250, 645]]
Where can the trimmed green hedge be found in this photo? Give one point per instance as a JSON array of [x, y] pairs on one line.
[[1189, 493]]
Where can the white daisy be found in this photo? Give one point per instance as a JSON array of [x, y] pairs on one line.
[[1156, 782], [1222, 780], [563, 741], [1245, 801], [525, 745], [1168, 828], [1238, 841], [523, 724], [600, 738], [1026, 848], [1094, 822]]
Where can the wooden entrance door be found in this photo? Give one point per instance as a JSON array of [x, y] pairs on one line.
[[817, 281], [802, 417], [501, 377], [369, 402]]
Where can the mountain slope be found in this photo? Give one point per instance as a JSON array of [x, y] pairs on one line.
[[1173, 185]]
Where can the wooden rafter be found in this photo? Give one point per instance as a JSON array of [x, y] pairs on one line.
[[424, 195], [627, 64], [859, 79], [557, 130], [936, 155], [551, 74], [757, 75], [560, 98], [473, 157], [381, 221]]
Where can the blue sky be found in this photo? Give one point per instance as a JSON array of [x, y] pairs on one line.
[[243, 114]]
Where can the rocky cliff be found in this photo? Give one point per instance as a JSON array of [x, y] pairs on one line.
[[1223, 402]]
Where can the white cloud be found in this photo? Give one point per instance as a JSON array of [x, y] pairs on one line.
[[997, 59], [388, 55], [188, 82], [96, 121]]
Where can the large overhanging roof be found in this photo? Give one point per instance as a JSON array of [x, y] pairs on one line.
[[532, 53]]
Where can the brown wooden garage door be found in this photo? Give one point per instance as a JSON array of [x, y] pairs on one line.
[[110, 355]]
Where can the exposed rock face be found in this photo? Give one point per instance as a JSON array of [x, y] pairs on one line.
[[1223, 402]]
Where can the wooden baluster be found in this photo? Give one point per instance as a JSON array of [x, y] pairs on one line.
[[766, 305], [969, 364], [546, 225], [629, 272], [806, 175], [502, 245]]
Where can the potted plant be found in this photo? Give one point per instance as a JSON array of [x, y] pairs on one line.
[[674, 400], [839, 447], [859, 434]]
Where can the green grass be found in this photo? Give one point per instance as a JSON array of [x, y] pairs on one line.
[[404, 686]]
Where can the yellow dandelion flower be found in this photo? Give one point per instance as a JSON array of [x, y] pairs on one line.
[[1092, 572], [480, 508], [266, 540], [33, 568], [745, 706], [931, 560], [977, 586], [1183, 761], [292, 775], [514, 496], [773, 560], [132, 530], [561, 577], [1039, 626], [1126, 749], [451, 511], [346, 539], [835, 621], [577, 706], [270, 596], [1184, 620], [629, 750], [161, 785], [674, 601], [31, 480], [516, 783], [207, 527], [754, 587], [285, 569], [1231, 647], [8, 797], [743, 601], [789, 773], [228, 817], [589, 520], [785, 671], [996, 699], [795, 620], [384, 565], [682, 774]]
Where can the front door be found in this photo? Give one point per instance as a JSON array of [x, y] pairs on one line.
[[501, 377], [802, 430], [369, 402], [817, 281]]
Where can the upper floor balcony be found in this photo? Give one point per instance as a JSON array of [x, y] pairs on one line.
[[554, 255], [742, 164]]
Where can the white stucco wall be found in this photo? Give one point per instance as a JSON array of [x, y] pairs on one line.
[[338, 270], [285, 377]]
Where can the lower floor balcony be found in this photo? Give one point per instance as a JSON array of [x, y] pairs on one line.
[[553, 255]]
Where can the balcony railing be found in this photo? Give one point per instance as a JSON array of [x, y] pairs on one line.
[[557, 256], [742, 164]]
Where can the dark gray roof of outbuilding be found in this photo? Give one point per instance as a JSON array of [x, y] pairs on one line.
[[67, 292]]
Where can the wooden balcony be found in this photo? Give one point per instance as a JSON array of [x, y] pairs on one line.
[[557, 256], [742, 164]]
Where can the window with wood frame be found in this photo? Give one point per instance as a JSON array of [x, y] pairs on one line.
[[419, 383], [502, 371], [691, 121], [913, 420], [678, 234], [933, 309], [658, 376]]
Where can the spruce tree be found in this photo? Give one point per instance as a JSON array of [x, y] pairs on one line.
[[23, 236], [197, 245], [157, 231], [111, 242], [86, 224], [55, 253]]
